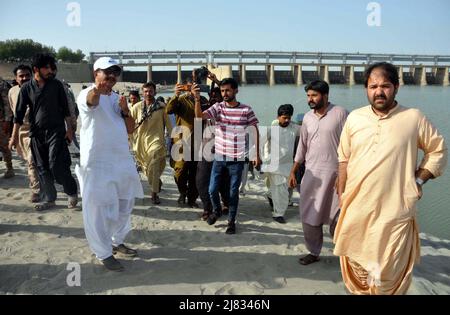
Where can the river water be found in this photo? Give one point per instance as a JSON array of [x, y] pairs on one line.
[[433, 101]]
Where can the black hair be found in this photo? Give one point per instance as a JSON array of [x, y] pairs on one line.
[[22, 67], [135, 93], [42, 60], [319, 86], [286, 110], [389, 70], [149, 84], [230, 81]]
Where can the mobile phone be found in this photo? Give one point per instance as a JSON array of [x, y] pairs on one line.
[[203, 88]]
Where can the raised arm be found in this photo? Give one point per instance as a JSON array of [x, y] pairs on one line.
[[125, 111], [198, 106]]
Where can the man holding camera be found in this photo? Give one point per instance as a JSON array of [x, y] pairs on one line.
[[183, 106]]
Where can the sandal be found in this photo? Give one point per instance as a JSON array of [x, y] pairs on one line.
[[44, 206], [308, 259]]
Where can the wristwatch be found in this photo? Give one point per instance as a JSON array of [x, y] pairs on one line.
[[420, 181]]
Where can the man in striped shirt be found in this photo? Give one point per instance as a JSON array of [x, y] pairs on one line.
[[233, 121]]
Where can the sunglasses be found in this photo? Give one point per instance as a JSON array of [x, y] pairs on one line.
[[116, 71]]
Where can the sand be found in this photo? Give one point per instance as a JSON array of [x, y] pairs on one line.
[[178, 253]]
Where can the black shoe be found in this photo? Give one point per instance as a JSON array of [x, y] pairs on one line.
[[182, 200], [231, 228], [280, 220], [112, 264], [308, 259], [205, 215], [124, 250], [212, 219]]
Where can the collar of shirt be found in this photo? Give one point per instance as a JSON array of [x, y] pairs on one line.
[[329, 107], [388, 115]]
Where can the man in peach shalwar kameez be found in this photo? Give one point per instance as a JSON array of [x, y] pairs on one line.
[[377, 235]]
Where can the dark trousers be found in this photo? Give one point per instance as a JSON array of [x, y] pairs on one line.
[[52, 159], [185, 173], [203, 179], [235, 173]]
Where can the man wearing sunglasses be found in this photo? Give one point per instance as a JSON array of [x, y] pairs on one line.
[[49, 116], [107, 174]]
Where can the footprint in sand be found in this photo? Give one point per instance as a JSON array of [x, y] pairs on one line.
[[271, 283], [224, 290], [18, 197], [240, 289], [61, 220], [5, 251]]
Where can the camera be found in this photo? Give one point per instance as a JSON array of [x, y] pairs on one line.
[[187, 88], [200, 74]]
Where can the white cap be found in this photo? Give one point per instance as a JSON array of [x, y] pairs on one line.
[[105, 63]]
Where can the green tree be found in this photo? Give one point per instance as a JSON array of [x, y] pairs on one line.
[[22, 50], [68, 55]]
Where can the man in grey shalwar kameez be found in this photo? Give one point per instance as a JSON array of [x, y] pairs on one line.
[[319, 139]]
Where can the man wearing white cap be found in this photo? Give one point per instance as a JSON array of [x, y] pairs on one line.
[[107, 174]]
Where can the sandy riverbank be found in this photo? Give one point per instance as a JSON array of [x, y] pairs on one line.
[[178, 253]]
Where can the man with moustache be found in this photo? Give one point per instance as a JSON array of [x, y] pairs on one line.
[[133, 98], [49, 116], [279, 149], [22, 74], [319, 139], [108, 178], [234, 122], [377, 236], [148, 138], [185, 167]]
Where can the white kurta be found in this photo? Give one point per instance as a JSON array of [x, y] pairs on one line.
[[278, 160], [108, 178]]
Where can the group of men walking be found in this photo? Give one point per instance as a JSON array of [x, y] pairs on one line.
[[361, 176]]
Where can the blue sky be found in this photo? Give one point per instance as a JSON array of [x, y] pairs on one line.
[[407, 26]]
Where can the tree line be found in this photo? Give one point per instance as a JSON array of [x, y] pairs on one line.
[[23, 50]]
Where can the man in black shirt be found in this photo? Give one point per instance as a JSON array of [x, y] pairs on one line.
[[49, 116]]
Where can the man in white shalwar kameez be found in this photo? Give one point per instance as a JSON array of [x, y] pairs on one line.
[[107, 174], [279, 159]]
